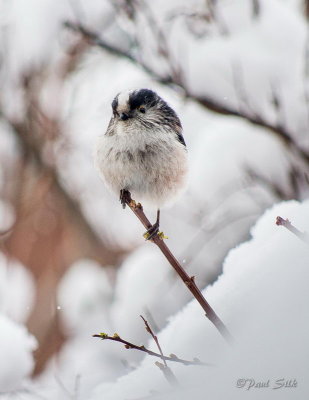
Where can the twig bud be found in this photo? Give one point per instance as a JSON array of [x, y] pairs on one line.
[[103, 335]]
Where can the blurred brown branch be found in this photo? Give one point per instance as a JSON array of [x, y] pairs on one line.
[[50, 231]]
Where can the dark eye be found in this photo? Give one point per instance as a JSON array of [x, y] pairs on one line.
[[142, 110]]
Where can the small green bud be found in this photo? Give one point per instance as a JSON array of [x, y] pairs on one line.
[[103, 335]]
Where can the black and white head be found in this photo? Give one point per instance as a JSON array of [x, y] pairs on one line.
[[143, 108]]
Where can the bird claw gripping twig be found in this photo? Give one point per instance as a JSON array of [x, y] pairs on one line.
[[125, 197]]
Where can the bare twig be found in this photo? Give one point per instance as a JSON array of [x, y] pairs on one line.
[[162, 43], [149, 330], [188, 281], [168, 373], [207, 102], [287, 224], [129, 345], [94, 39]]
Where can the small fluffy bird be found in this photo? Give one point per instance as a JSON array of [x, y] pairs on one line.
[[143, 152]]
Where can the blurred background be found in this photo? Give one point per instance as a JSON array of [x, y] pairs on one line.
[[72, 261]]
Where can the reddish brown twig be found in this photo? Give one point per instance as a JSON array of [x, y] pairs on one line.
[[168, 373], [288, 225], [129, 345], [188, 281]]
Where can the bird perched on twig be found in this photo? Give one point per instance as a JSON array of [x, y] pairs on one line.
[[143, 152]]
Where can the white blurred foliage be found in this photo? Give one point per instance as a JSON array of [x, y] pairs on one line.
[[16, 359], [6, 215], [83, 303], [249, 55], [17, 290], [93, 296], [8, 157]]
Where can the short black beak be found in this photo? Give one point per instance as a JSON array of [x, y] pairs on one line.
[[124, 116]]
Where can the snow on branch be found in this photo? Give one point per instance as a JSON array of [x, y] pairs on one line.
[[288, 225]]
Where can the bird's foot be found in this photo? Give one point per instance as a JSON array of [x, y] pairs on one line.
[[125, 197]]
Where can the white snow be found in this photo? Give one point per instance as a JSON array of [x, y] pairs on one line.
[[261, 296], [17, 290], [16, 359], [94, 291]]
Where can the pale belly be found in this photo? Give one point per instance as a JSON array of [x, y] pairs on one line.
[[154, 174]]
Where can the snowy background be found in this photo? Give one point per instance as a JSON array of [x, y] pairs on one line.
[[73, 263]]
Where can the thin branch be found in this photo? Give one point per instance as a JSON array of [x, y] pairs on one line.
[[94, 39], [129, 345], [167, 372], [287, 224], [176, 72], [188, 281], [155, 338]]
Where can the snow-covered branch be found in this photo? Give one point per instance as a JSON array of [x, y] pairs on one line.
[[288, 225]]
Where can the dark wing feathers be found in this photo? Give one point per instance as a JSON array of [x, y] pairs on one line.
[[181, 139]]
